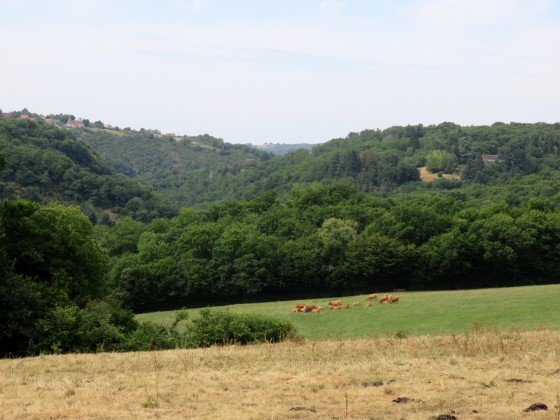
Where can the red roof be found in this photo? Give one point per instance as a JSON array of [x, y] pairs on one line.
[[489, 158]]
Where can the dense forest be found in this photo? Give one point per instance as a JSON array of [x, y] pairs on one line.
[[44, 163], [183, 168], [196, 172], [87, 227], [328, 240]]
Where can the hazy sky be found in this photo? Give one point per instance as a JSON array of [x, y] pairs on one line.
[[255, 71]]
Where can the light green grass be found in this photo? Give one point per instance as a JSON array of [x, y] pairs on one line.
[[418, 313]]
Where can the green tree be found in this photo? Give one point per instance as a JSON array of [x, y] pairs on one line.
[[335, 235], [49, 259], [123, 237], [441, 161], [376, 262]]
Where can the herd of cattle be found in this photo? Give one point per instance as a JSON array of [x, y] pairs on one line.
[[338, 304]]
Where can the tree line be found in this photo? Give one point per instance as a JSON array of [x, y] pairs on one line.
[[332, 239], [55, 294]]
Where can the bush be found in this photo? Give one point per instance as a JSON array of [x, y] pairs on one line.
[[221, 327], [101, 325], [150, 336]]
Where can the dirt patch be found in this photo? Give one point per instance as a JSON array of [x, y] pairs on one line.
[[446, 417], [517, 380]]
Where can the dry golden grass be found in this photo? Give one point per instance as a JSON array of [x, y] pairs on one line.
[[427, 176], [462, 375]]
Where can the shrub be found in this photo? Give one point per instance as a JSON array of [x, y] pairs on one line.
[[221, 327], [99, 326], [150, 336]]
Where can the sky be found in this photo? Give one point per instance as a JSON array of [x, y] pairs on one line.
[[282, 71]]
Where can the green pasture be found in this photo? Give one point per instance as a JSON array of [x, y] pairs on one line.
[[418, 313]]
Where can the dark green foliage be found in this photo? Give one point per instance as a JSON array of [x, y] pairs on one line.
[[199, 170], [150, 336], [183, 170], [45, 163], [49, 260], [331, 238], [100, 326], [222, 327], [55, 246]]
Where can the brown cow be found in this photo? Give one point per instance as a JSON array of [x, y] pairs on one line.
[[372, 296], [368, 303], [384, 299], [394, 299], [356, 304], [335, 303], [300, 305]]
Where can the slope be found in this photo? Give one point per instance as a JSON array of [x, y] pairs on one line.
[[45, 163]]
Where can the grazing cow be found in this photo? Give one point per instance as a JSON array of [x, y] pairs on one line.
[[315, 310], [295, 310], [372, 296], [344, 306], [335, 303], [368, 303], [394, 299], [384, 299], [300, 305]]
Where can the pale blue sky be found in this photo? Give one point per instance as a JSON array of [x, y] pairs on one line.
[[282, 70]]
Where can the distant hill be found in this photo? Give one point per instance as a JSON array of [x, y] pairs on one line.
[[45, 163], [282, 149], [196, 171], [189, 170]]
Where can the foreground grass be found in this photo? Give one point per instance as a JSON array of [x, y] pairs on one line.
[[424, 313], [462, 375]]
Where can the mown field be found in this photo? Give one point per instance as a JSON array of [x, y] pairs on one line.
[[417, 313]]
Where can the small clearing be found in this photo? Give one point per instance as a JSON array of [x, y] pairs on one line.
[[428, 176]]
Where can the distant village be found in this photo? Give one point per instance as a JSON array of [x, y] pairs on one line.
[[70, 121], [61, 120]]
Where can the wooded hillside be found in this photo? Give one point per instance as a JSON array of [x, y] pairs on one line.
[[200, 170], [45, 163], [352, 215]]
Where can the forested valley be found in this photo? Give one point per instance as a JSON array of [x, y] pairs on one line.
[[98, 222]]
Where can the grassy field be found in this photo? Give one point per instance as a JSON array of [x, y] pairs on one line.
[[418, 313], [486, 374], [427, 176]]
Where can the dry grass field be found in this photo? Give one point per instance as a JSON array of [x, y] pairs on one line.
[[427, 176], [479, 374]]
